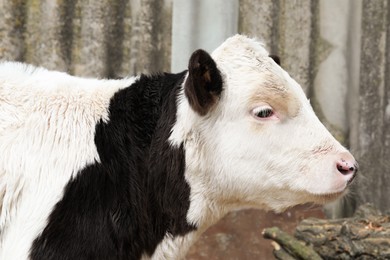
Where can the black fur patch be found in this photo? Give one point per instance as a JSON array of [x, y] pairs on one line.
[[276, 58], [204, 82], [123, 206]]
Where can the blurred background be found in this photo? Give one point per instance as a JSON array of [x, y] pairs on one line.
[[338, 50]]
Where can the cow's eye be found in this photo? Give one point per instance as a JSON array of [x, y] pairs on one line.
[[263, 112]]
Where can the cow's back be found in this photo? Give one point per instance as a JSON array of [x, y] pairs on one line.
[[47, 128]]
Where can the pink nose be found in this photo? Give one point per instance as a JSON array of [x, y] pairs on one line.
[[347, 166]]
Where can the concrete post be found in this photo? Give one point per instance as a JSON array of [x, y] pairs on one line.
[[372, 145], [12, 20], [201, 24]]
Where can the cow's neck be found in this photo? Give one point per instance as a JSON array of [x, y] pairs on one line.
[[176, 207], [202, 214], [203, 209]]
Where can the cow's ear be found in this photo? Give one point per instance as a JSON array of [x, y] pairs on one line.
[[203, 86], [275, 58]]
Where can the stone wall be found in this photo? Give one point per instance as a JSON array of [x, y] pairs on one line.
[[370, 125], [105, 38]]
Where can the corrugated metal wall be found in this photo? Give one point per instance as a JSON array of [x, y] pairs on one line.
[[338, 50], [90, 38]]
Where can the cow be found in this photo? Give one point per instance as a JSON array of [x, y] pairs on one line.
[[139, 167]]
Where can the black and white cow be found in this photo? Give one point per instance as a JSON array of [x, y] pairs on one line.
[[140, 167]]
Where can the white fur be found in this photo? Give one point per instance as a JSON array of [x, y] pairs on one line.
[[41, 148], [232, 159], [173, 247], [235, 161]]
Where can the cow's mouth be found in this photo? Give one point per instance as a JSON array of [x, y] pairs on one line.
[[352, 178]]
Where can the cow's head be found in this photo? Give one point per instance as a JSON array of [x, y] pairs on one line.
[[250, 133]]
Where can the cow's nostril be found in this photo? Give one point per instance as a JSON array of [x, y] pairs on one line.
[[346, 167]]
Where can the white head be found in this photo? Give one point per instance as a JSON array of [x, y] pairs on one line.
[[251, 136]]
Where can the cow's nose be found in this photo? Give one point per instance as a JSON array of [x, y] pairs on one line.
[[347, 166]]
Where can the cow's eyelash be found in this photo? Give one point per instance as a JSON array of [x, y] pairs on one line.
[[263, 112]]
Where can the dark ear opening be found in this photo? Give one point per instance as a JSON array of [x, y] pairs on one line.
[[204, 82], [275, 58]]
